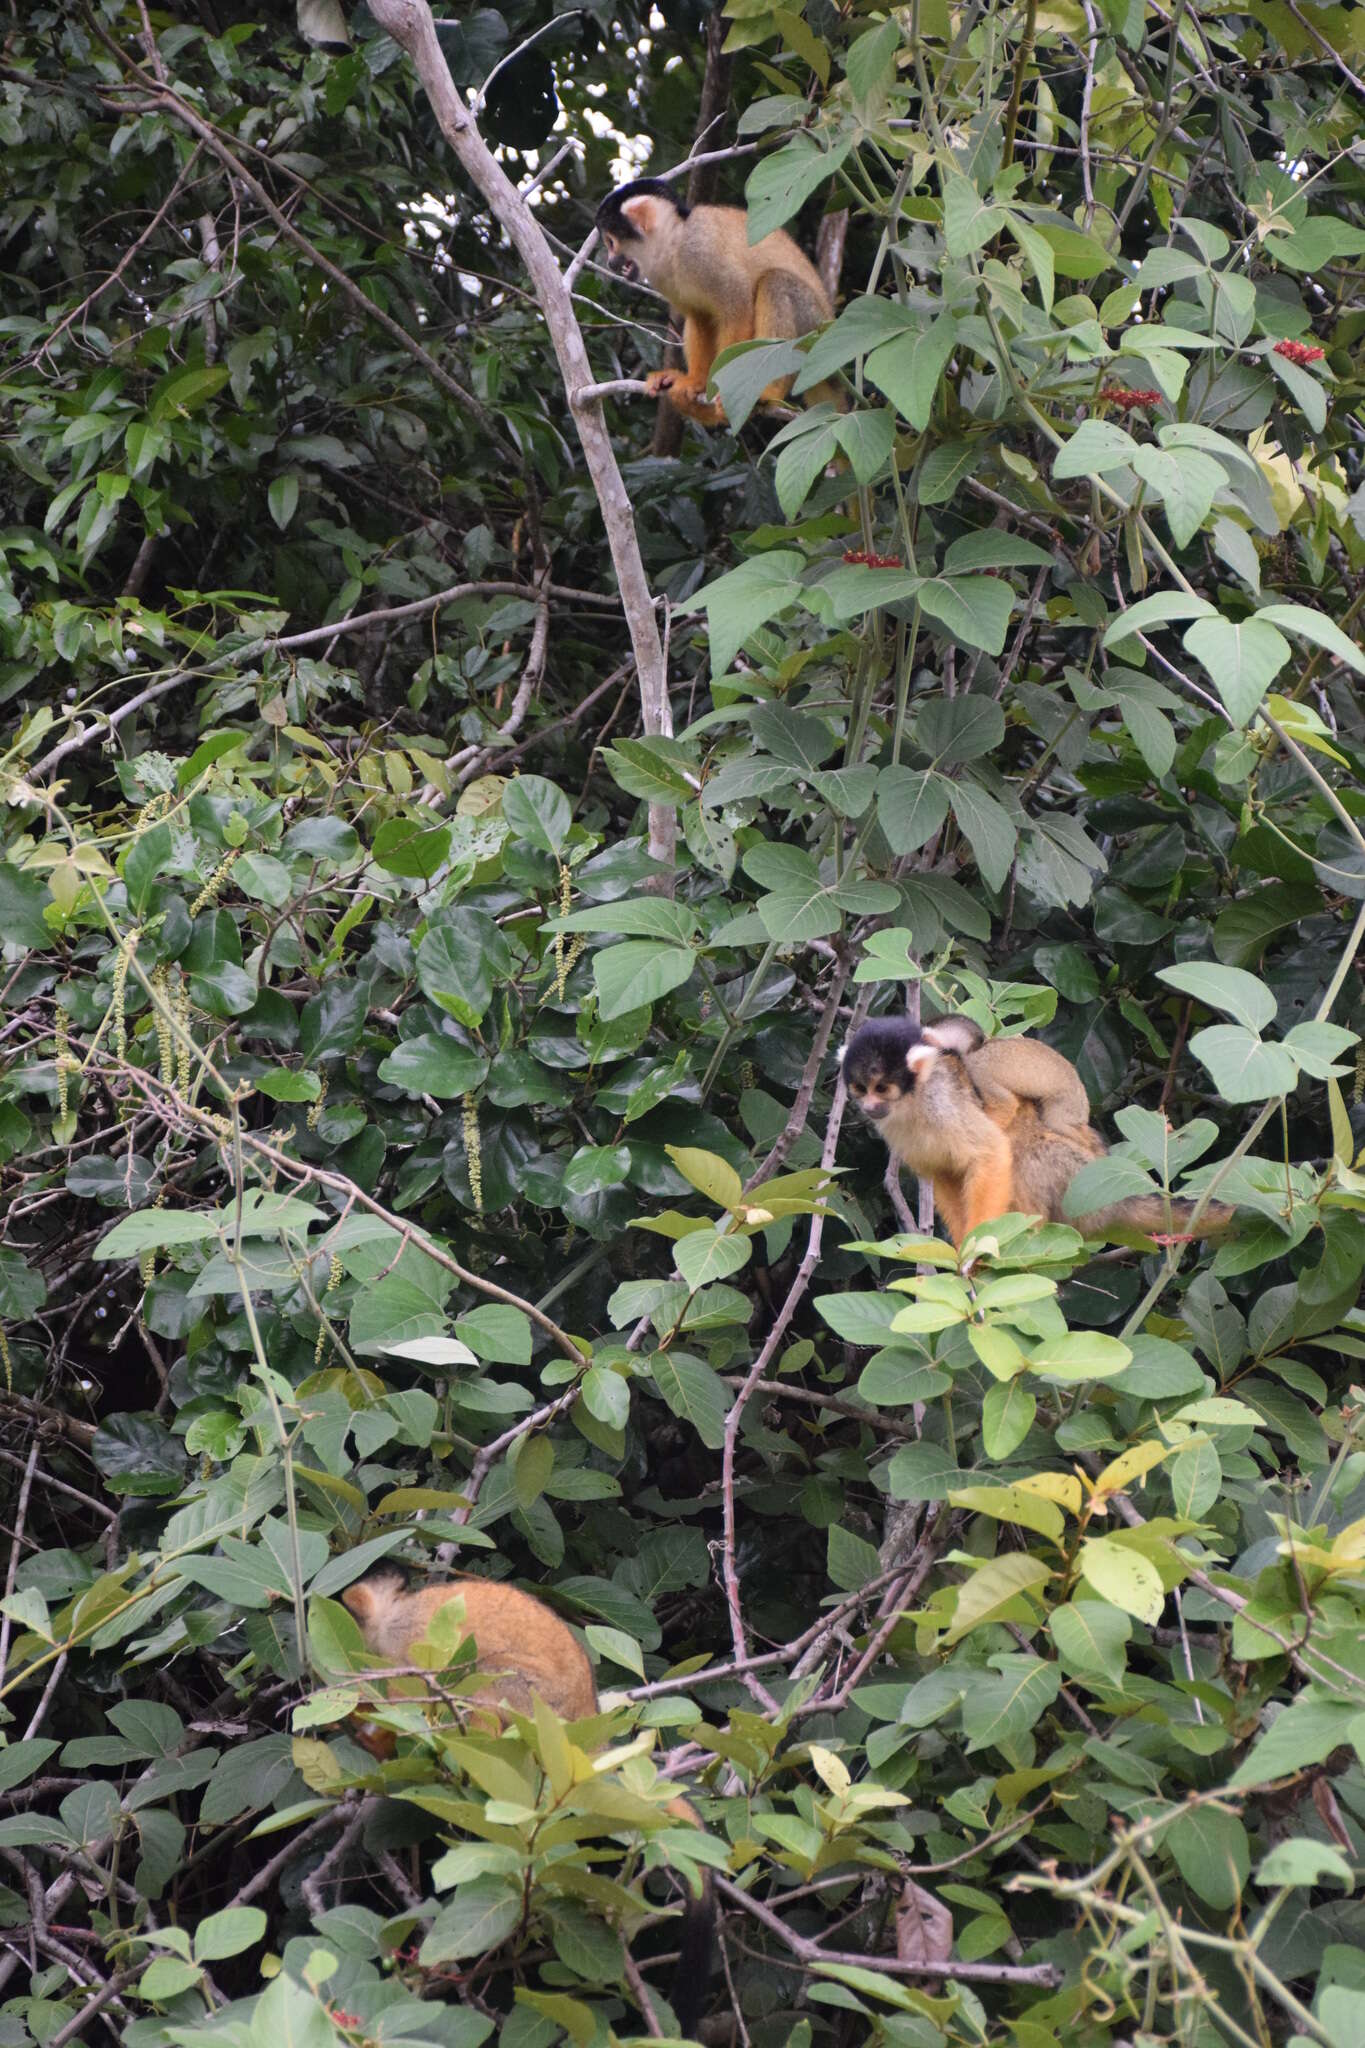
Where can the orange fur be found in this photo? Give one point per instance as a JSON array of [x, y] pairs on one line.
[[520, 1643]]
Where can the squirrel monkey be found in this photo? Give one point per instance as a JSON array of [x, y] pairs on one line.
[[998, 1125], [528, 1653], [522, 1645], [726, 288]]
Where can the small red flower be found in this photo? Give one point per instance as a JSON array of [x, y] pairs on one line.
[[346, 2019], [1128, 400], [1299, 352], [861, 557]]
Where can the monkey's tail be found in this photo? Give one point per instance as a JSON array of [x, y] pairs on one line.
[[696, 1957], [696, 1949], [1157, 1217]]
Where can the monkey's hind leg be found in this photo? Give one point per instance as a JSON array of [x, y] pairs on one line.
[[986, 1189], [785, 307]]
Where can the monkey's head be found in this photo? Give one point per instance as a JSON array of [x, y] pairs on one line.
[[630, 218], [372, 1598], [888, 1058]]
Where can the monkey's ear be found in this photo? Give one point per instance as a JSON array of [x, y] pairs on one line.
[[922, 1054], [955, 1034], [644, 212], [361, 1601]]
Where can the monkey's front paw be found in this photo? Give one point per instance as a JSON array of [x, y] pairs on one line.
[[660, 381]]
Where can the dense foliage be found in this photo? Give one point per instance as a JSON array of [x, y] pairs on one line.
[[397, 1160]]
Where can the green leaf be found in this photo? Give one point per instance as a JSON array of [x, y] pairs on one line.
[[1303, 387], [912, 804], [1242, 995], [709, 1174], [23, 1290], [1311, 625], [23, 898], [433, 1065], [1317, 1046], [655, 769], [952, 730], [1243, 660], [1081, 1354], [1123, 1577], [595, 1168], [283, 497], [636, 973], [987, 828], [456, 962], [481, 1916], [1210, 1850], [1244, 1068], [909, 369], [739, 603], [782, 181], [706, 1255], [644, 917], [497, 1333], [538, 812], [999, 1710], [859, 1318], [1096, 447], [969, 222], [1305, 1734], [922, 1472], [1159, 610], [1186, 483], [1303, 1861], [990, 548], [228, 1932], [145, 859], [165, 1978], [975, 609], [695, 1392], [1092, 1639], [415, 852], [1195, 1476], [1007, 1414], [606, 1395]]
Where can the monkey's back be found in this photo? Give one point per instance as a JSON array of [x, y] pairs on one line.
[[719, 253], [1029, 1070], [521, 1645]]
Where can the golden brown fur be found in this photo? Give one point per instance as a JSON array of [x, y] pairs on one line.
[[528, 1653], [725, 289], [522, 1646], [996, 1124]]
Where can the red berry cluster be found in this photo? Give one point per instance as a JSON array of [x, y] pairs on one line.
[[861, 555], [1299, 352], [1128, 400]]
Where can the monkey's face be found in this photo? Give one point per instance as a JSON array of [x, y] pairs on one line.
[[619, 262], [875, 1089], [884, 1062]]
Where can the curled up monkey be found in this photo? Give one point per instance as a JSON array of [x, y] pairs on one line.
[[523, 1652], [998, 1125]]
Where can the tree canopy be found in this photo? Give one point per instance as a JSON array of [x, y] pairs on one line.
[[451, 820]]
